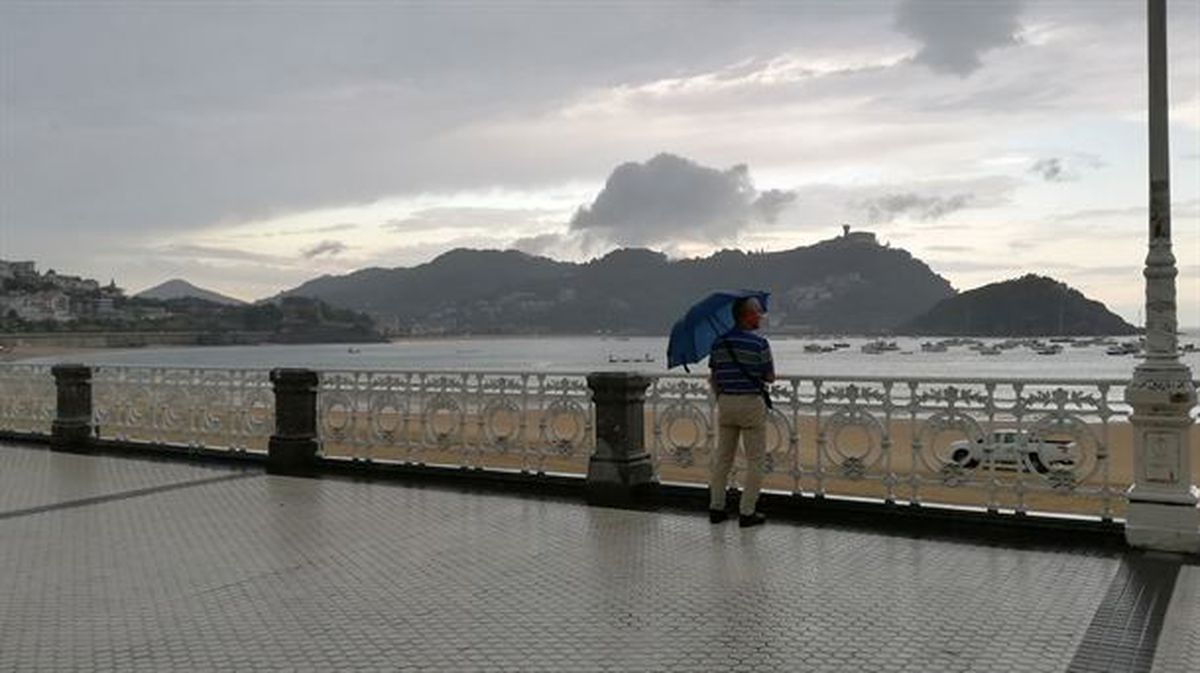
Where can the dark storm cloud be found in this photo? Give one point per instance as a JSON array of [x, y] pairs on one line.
[[888, 207], [670, 198], [542, 245], [324, 248], [954, 34], [769, 203]]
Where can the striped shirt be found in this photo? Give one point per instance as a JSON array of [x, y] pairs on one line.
[[754, 354]]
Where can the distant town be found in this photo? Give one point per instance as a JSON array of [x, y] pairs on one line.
[[30, 297], [33, 302]]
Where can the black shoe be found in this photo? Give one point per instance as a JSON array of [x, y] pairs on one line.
[[748, 520], [717, 515]]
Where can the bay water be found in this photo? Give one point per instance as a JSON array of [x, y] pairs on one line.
[[647, 354]]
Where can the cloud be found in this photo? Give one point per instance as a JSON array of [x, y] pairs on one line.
[[889, 207], [1051, 170], [214, 253], [470, 217], [343, 226], [1180, 209], [671, 199], [953, 35], [326, 248], [1064, 169]]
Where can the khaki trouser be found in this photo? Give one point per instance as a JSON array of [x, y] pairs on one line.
[[742, 416]]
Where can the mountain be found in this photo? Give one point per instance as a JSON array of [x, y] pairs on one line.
[[1027, 306], [845, 284], [177, 288]]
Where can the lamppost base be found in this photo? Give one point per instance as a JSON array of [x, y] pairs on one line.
[[1164, 524], [622, 482]]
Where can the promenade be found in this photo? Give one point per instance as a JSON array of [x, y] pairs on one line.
[[115, 563]]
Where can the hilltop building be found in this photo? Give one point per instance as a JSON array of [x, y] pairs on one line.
[[10, 270], [867, 237]]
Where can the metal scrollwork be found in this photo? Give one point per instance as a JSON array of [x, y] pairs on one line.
[[388, 411], [969, 455], [337, 415], [495, 428], [1063, 449], [443, 419], [691, 418], [853, 464], [576, 419]]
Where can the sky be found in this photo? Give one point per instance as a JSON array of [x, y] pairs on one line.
[[247, 147]]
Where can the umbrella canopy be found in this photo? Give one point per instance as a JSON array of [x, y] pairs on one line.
[[693, 335]]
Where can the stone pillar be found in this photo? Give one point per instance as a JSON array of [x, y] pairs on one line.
[[620, 472], [293, 447], [1163, 511], [71, 429]]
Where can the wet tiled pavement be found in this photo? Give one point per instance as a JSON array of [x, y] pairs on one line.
[[120, 564]]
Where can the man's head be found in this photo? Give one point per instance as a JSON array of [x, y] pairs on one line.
[[747, 313]]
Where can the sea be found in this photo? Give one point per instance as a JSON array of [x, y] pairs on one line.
[[644, 354]]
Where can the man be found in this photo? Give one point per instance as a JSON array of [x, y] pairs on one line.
[[741, 367]]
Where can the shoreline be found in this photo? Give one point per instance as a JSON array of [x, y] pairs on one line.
[[18, 354]]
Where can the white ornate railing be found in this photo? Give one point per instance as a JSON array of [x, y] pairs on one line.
[[27, 399], [193, 407], [895, 439], [507, 420], [902, 440]]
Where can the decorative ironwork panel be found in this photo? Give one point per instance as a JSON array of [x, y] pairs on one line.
[[1000, 444], [194, 407], [27, 398], [519, 421]]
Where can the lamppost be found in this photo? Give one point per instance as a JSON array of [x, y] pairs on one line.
[[1163, 511]]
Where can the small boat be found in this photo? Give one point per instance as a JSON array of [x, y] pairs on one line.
[[840, 344], [879, 346], [933, 347], [814, 348], [873, 348], [1125, 348], [1189, 348], [989, 350], [1052, 349], [1062, 340], [612, 359]]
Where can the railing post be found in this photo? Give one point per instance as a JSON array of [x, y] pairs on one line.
[[293, 447], [620, 472], [71, 429]]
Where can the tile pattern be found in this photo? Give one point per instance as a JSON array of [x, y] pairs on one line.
[[268, 572], [32, 477]]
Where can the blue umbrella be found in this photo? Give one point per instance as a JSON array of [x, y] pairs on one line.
[[693, 335]]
